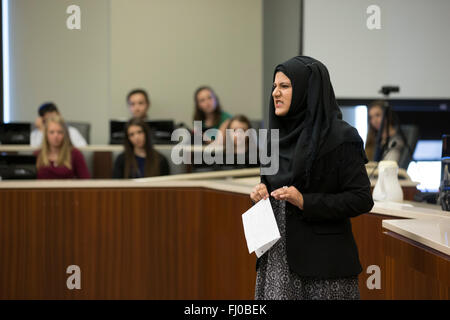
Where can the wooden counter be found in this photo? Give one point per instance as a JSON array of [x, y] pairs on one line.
[[130, 243], [180, 238]]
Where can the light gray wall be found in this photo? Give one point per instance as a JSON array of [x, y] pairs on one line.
[[410, 50], [169, 47], [51, 63], [281, 39]]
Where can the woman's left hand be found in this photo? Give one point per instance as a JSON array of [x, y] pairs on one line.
[[290, 194]]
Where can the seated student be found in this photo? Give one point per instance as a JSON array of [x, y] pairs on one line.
[[46, 111], [239, 125], [239, 145], [138, 103], [57, 158], [139, 159], [209, 111], [394, 150]]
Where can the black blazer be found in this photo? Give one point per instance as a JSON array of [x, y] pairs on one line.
[[319, 238]]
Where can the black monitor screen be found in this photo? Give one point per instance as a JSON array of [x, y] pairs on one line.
[[161, 131], [15, 133], [432, 116], [17, 166]]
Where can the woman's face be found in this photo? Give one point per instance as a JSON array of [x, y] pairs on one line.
[[137, 136], [282, 94], [55, 135], [238, 135], [206, 101], [138, 105], [375, 117]]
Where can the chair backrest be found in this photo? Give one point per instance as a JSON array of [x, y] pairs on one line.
[[84, 128], [257, 124], [411, 133]]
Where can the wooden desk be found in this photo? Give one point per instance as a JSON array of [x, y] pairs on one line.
[[100, 158], [133, 243], [410, 267], [177, 239]]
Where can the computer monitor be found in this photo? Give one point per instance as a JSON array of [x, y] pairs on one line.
[[429, 115], [116, 132], [426, 167], [17, 167], [356, 116], [161, 131], [428, 150], [15, 133]]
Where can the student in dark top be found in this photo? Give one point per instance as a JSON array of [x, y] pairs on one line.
[[391, 150], [209, 111], [139, 159], [57, 158]]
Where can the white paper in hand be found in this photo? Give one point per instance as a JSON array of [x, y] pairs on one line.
[[260, 227]]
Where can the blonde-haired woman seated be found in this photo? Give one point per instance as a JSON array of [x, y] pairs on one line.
[[57, 158]]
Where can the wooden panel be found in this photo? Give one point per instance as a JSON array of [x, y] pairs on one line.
[[409, 193], [102, 166], [414, 271], [219, 272], [168, 243], [367, 230], [130, 244]]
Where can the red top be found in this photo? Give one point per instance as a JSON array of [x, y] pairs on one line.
[[79, 168]]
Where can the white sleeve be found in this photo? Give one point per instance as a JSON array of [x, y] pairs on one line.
[[36, 138], [76, 137]]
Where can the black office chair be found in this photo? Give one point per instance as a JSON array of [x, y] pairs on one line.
[[257, 124], [411, 134]]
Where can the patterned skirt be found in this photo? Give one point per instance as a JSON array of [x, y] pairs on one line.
[[275, 281]]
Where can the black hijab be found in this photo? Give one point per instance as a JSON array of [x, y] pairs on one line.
[[312, 127]]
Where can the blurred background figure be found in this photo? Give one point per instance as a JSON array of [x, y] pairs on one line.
[[387, 150], [139, 159], [209, 111], [138, 103], [46, 111], [57, 158]]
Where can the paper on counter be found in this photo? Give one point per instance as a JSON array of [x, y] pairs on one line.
[[260, 227]]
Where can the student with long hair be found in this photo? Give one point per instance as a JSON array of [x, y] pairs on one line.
[[57, 158], [238, 132], [239, 151], [139, 159], [209, 111], [391, 150]]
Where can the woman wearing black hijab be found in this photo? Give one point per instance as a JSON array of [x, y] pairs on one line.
[[321, 183]]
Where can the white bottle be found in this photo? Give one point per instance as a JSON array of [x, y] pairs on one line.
[[387, 187]]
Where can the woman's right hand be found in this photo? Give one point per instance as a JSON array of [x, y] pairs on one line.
[[259, 192]]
